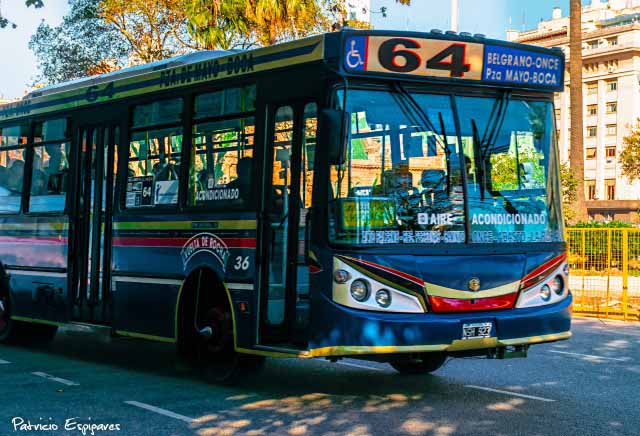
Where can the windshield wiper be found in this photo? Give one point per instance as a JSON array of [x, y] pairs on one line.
[[410, 101], [481, 147]]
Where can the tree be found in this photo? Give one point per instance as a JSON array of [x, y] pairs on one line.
[[218, 24], [154, 30], [569, 186], [575, 73], [82, 45], [4, 22], [630, 155]]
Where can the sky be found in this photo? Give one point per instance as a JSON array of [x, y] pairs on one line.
[[491, 17]]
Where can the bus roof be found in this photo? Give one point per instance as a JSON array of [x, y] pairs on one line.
[[439, 56]]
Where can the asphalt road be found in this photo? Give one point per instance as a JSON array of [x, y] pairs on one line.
[[589, 385]]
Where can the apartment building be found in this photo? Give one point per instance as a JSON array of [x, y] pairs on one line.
[[611, 86]]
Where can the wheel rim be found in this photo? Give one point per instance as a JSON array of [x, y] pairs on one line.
[[4, 313], [221, 339]]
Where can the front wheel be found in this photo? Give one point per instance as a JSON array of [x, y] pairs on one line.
[[421, 364]]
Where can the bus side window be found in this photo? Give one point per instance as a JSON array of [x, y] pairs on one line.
[[13, 140], [50, 167], [221, 167], [153, 174]]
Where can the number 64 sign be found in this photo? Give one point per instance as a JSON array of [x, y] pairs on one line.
[[415, 56]]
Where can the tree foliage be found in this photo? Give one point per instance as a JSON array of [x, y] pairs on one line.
[[569, 186], [4, 22], [630, 155], [82, 45], [154, 30], [98, 36]]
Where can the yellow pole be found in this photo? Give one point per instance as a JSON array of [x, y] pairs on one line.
[[625, 272], [584, 259], [608, 269]]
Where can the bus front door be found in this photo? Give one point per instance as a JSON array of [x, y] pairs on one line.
[[287, 198], [93, 205]]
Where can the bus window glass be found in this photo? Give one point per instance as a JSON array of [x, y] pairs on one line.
[[510, 155], [153, 175], [12, 156], [226, 102], [50, 130], [159, 112], [308, 154], [14, 135], [401, 181], [222, 162], [49, 176]]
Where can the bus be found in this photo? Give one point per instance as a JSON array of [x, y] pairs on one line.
[[381, 195]]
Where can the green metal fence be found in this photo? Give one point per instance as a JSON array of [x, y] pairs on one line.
[[605, 272]]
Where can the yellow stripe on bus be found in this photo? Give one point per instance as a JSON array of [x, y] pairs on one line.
[[187, 225]]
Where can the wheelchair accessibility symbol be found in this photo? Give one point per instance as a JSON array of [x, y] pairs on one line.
[[353, 58]]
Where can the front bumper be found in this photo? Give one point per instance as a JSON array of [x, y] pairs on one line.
[[347, 332]]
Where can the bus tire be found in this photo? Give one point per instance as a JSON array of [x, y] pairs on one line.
[[214, 353], [20, 332], [421, 364]]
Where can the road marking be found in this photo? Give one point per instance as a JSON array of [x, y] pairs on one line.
[[355, 365], [515, 394], [164, 412], [591, 356], [56, 379], [4, 362]]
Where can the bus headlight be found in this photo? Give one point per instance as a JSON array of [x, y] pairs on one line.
[[383, 298], [545, 293], [341, 276], [359, 290], [557, 285], [552, 289], [364, 292]]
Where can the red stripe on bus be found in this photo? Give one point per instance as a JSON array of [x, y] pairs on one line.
[[441, 304], [120, 241], [406, 276], [54, 240], [538, 274]]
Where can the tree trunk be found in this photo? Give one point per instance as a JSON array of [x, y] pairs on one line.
[[576, 159]]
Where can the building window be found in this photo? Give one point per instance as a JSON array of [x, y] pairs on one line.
[[610, 151], [612, 85], [590, 186], [592, 109], [592, 131], [594, 44], [591, 153], [558, 113], [612, 107], [612, 129], [592, 88], [611, 188], [612, 41]]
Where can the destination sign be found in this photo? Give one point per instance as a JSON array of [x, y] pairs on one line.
[[453, 59], [512, 65]]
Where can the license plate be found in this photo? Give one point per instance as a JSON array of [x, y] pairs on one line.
[[476, 330]]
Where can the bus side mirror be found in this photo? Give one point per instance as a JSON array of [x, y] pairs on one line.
[[332, 129]]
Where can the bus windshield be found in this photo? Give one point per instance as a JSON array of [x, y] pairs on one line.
[[427, 168]]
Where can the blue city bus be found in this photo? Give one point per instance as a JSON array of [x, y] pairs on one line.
[[382, 195]]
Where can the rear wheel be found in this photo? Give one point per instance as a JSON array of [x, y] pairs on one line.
[[420, 364], [20, 332]]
